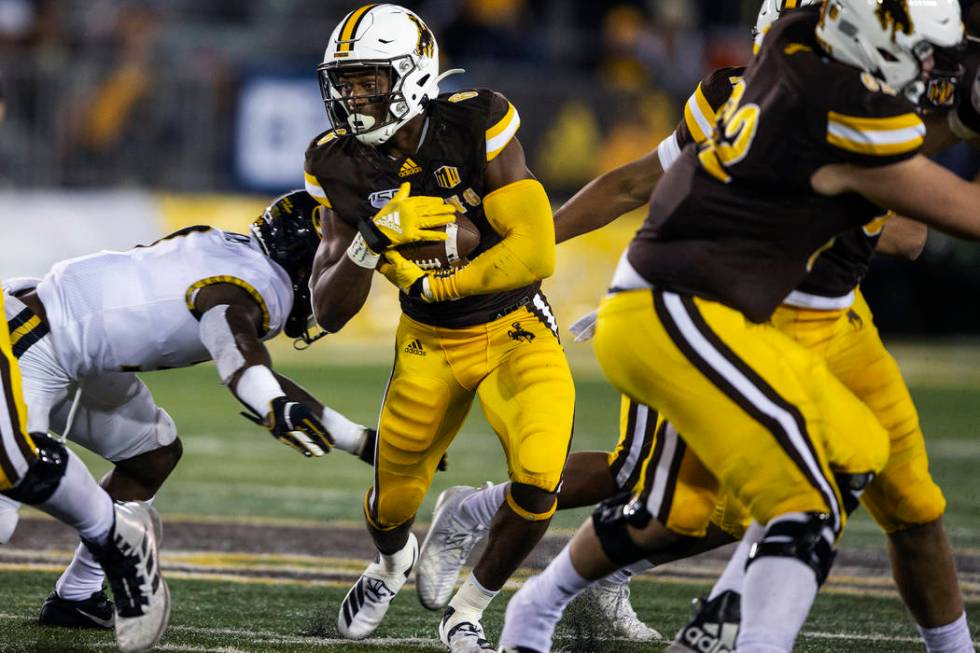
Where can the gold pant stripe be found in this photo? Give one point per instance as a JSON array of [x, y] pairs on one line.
[[733, 377]]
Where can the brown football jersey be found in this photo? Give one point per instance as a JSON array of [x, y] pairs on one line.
[[462, 133], [735, 219], [837, 271]]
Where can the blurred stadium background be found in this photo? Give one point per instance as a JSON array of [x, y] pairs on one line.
[[127, 119], [126, 116]]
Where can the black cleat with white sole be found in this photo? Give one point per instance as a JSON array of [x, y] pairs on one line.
[[94, 612], [714, 627]]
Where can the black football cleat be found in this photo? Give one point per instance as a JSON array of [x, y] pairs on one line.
[[714, 627], [94, 612]]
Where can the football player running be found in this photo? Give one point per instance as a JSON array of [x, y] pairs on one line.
[[481, 330], [199, 294], [730, 352]]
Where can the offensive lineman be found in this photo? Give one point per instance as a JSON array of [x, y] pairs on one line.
[[769, 620], [483, 330], [199, 294]]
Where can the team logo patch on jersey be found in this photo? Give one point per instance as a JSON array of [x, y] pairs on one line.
[[409, 168], [462, 95], [381, 197], [415, 348], [447, 177]]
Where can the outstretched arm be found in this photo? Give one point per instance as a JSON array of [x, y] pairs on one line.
[[230, 329], [916, 188], [606, 198]]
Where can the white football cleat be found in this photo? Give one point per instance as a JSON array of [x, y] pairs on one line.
[[130, 559], [612, 601], [367, 602], [446, 548], [462, 633]]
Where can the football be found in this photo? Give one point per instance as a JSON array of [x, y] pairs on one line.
[[452, 252]]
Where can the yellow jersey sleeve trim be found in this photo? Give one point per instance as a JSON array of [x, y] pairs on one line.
[[235, 281], [316, 191], [875, 136], [501, 134], [23, 330], [699, 116]]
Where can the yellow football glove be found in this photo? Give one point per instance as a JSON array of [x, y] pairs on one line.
[[406, 219], [401, 272]]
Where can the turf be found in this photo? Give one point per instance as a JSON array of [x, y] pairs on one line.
[[234, 469], [289, 618]]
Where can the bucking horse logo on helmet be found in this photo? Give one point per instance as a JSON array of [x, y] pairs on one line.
[[894, 15], [424, 47]]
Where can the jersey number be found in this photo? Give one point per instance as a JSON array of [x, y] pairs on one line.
[[730, 141]]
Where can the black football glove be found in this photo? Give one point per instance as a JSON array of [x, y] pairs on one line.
[[294, 424]]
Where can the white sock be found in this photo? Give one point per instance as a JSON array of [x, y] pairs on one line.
[[81, 503], [623, 576], [82, 578], [482, 505], [734, 574], [535, 610], [472, 598], [776, 598], [400, 560], [347, 436], [951, 638]]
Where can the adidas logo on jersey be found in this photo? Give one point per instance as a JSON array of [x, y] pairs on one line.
[[415, 347], [409, 168]]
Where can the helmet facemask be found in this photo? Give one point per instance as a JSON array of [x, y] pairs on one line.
[[350, 87]]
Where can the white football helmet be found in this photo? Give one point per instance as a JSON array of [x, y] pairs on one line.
[[770, 12], [890, 39], [399, 49]]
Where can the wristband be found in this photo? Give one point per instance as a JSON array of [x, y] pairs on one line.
[[257, 387], [361, 254]]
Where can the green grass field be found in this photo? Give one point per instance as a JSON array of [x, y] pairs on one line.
[[234, 471]]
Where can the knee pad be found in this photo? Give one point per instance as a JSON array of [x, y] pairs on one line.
[[527, 511], [45, 473], [851, 488], [808, 537], [611, 519]]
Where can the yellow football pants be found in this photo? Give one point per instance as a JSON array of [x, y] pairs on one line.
[[759, 413], [903, 494], [17, 450], [517, 368]]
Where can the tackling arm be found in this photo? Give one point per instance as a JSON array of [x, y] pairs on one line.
[[230, 327]]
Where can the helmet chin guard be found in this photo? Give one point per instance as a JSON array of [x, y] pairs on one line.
[[393, 56]]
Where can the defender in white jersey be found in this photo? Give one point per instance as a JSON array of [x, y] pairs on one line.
[[91, 323]]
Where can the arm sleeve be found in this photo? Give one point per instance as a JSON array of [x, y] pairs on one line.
[[521, 213]]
